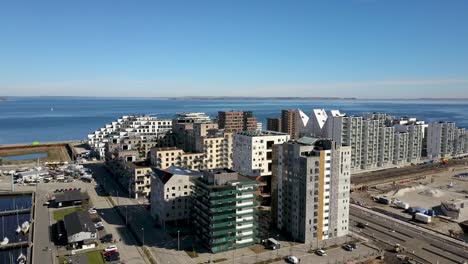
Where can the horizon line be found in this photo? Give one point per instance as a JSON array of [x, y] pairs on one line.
[[234, 97]]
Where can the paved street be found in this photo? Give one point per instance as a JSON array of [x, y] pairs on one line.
[[44, 249], [431, 248], [161, 245]]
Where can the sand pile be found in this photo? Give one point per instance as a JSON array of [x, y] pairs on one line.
[[432, 193], [404, 191]]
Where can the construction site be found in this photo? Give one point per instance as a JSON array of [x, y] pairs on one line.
[[433, 195]]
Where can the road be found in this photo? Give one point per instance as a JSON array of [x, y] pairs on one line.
[[44, 250], [160, 244], [431, 248]]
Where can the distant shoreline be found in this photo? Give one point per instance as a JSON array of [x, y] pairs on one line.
[[247, 98]]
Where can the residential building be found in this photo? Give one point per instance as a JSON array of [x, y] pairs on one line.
[[415, 140], [460, 141], [311, 181], [386, 146], [400, 149], [440, 139], [274, 124], [252, 156], [172, 156], [289, 119], [347, 131], [148, 128], [223, 210], [171, 190], [182, 129], [133, 175], [213, 150], [236, 121], [370, 143], [79, 229]]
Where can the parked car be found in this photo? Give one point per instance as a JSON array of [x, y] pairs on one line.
[[92, 210], [46, 203], [107, 238], [292, 259], [110, 248], [321, 252], [99, 227], [114, 256], [348, 247], [354, 245]]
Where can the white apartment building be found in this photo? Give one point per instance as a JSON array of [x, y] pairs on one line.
[[440, 139], [386, 146], [252, 151], [148, 128], [311, 181], [370, 143], [415, 140], [252, 156], [347, 131], [171, 190]]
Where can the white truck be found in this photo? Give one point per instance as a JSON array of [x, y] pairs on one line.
[[422, 218]]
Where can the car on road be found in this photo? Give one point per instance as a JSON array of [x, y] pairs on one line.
[[107, 238], [362, 225], [110, 248], [292, 259], [348, 247], [320, 252]]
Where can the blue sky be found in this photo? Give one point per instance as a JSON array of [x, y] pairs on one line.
[[349, 48]]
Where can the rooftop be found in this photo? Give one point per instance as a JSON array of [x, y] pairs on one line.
[[261, 133], [139, 164], [166, 174], [77, 222], [70, 196]]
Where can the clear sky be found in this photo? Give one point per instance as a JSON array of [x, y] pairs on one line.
[[346, 48]]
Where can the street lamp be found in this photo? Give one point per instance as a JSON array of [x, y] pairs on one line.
[[277, 247], [143, 235], [178, 240]]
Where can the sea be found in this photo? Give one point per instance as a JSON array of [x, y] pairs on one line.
[[47, 119]]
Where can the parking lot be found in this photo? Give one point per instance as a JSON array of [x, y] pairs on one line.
[[45, 250]]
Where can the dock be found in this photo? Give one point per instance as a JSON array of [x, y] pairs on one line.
[[14, 212], [14, 245]]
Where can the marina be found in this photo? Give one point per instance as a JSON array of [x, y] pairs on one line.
[[15, 229]]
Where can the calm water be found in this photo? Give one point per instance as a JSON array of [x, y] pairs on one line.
[[26, 156], [27, 119]]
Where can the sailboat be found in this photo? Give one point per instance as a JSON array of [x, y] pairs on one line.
[[25, 227], [21, 259], [5, 239], [18, 229]]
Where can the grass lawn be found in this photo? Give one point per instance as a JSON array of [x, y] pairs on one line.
[[59, 214], [95, 257]]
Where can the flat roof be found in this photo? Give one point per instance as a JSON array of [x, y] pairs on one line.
[[261, 133], [70, 196]]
